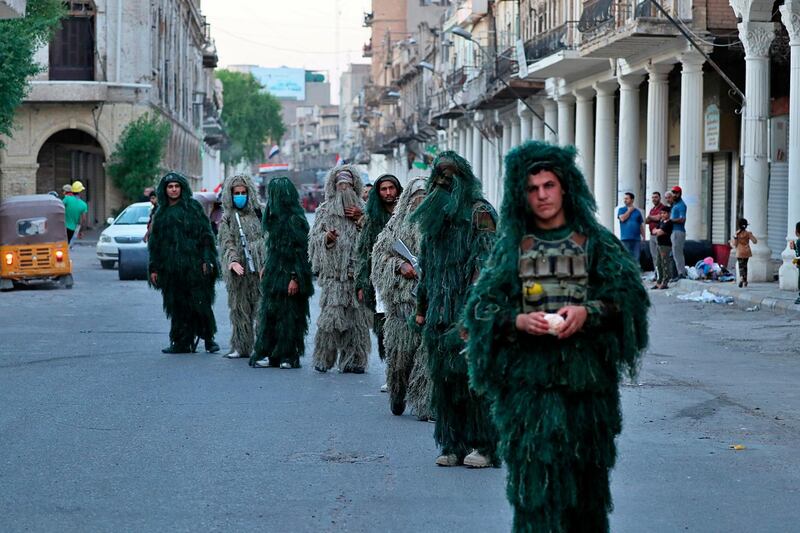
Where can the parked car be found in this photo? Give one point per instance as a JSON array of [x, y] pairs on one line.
[[126, 231]]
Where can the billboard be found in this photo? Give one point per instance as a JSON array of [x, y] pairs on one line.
[[282, 82]]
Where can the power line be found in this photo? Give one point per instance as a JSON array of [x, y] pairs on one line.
[[280, 49]]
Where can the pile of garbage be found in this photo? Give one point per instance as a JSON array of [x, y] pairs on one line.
[[707, 269], [706, 296]]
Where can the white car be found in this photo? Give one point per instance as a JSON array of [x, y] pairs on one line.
[[126, 231]]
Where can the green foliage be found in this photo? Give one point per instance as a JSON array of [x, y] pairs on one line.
[[19, 40], [134, 165], [250, 115]]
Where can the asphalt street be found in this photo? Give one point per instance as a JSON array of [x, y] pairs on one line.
[[99, 431]]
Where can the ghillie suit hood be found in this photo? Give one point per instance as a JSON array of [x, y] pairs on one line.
[[181, 242], [283, 319], [556, 402], [243, 291], [457, 233], [230, 244], [375, 218], [406, 372], [343, 324]]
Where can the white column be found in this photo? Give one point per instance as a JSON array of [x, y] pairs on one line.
[[756, 38], [691, 145], [604, 153], [551, 118], [584, 134], [469, 130], [498, 161], [566, 119], [506, 139], [629, 165], [486, 158], [462, 140], [537, 124], [657, 122], [477, 145], [525, 122], [515, 131], [790, 15]]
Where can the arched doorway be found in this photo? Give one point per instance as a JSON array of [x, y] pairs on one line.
[[71, 155]]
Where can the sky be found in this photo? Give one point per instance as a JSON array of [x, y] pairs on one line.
[[297, 33]]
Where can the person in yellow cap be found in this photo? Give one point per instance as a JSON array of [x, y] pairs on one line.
[[75, 210]]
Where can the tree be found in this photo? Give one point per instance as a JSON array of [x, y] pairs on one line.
[[19, 40], [250, 116], [135, 163]]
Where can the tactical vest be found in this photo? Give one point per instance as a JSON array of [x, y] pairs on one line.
[[553, 273]]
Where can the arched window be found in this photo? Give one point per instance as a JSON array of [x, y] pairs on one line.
[[73, 46]]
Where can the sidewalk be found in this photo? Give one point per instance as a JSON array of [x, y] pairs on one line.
[[766, 296]]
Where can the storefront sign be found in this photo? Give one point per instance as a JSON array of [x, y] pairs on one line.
[[711, 122]]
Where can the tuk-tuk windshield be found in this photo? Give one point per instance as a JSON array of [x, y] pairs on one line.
[[135, 214], [31, 226]]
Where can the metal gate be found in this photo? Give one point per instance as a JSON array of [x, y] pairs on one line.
[[720, 176], [777, 207]]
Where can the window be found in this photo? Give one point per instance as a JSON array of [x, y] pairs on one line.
[[73, 45]]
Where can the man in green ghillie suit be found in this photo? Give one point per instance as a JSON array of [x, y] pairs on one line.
[[343, 323], [380, 205], [286, 284], [554, 322], [396, 279], [240, 266], [457, 229], [183, 265]]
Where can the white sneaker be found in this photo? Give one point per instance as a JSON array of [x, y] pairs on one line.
[[286, 365], [447, 460], [233, 355], [385, 387], [264, 363], [476, 460]]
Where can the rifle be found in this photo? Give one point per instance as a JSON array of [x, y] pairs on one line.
[[251, 266], [403, 251]]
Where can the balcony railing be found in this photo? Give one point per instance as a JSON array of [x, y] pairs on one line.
[[367, 49], [457, 78], [563, 37], [603, 16], [368, 18]]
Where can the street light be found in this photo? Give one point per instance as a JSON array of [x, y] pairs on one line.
[[464, 34]]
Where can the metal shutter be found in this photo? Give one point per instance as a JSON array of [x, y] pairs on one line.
[[673, 172], [720, 232], [777, 207]]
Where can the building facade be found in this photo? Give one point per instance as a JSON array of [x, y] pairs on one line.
[[110, 63], [12, 8], [696, 93]]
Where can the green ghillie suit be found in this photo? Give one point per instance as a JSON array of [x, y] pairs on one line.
[[243, 290], [405, 362], [283, 318], [457, 230], [556, 402], [375, 218], [183, 255], [343, 323]]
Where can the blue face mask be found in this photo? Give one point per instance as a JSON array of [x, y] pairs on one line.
[[240, 200]]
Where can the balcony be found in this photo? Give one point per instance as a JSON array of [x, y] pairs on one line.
[[369, 18], [554, 54], [624, 29], [367, 49], [43, 91]]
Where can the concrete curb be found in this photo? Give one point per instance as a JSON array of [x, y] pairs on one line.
[[765, 295]]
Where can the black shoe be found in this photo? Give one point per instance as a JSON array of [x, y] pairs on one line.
[[211, 346], [353, 370], [174, 348], [320, 369], [398, 406]]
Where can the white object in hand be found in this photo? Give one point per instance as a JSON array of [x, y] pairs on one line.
[[555, 321]]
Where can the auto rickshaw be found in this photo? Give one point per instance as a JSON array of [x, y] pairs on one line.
[[33, 242]]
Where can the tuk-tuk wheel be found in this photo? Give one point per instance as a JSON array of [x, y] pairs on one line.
[[66, 281]]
